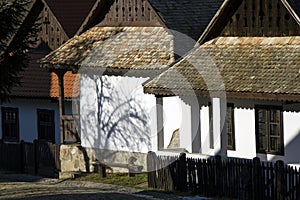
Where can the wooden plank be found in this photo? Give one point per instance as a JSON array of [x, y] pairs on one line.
[[298, 184], [263, 179], [250, 14], [183, 172], [219, 176], [265, 22], [147, 11], [194, 176], [200, 176], [291, 183], [281, 12], [240, 21], [151, 169], [268, 180], [257, 28], [275, 15]]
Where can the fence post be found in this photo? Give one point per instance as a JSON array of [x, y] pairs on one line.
[[22, 156], [219, 175], [151, 168], [280, 180], [182, 183], [35, 149], [256, 180]]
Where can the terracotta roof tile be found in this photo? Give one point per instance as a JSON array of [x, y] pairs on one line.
[[71, 85], [235, 64], [40, 83]]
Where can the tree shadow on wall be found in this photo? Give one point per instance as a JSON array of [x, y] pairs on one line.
[[118, 121]]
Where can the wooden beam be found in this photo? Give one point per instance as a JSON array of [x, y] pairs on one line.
[[60, 74], [160, 122]]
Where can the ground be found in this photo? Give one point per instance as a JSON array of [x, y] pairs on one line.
[[26, 187]]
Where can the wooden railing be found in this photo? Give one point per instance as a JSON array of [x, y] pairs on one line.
[[229, 178], [71, 129]]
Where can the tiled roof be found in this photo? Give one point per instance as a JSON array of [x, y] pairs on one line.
[[71, 85], [40, 83], [189, 17], [115, 48], [259, 67], [225, 13], [70, 13]]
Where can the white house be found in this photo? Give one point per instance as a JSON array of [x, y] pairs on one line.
[[131, 42], [33, 110], [241, 86]]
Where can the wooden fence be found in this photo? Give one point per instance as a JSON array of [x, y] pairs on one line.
[[39, 157], [230, 177]]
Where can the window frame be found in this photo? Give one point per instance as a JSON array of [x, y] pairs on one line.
[[267, 149], [52, 125], [230, 147], [8, 137]]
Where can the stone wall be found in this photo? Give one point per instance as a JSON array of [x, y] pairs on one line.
[[76, 159]]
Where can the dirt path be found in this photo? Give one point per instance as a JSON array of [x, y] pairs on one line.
[[20, 186]]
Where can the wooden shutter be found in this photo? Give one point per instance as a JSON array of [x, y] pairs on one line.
[[275, 130], [269, 133], [262, 126], [230, 127]]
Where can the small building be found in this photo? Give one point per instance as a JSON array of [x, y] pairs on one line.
[[124, 44], [240, 88], [33, 110]]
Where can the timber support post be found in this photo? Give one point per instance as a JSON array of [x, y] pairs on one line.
[[60, 74], [160, 122]]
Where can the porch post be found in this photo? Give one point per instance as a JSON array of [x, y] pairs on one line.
[[223, 111], [220, 139], [196, 132], [60, 74], [160, 122]]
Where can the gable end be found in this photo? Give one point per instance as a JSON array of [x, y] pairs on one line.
[[131, 13], [261, 18], [51, 31]]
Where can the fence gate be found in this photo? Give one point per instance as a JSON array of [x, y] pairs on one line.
[[39, 157], [47, 159]]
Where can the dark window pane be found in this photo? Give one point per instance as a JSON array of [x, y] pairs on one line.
[[10, 124], [230, 127], [46, 126]]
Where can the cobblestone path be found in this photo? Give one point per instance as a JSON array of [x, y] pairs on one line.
[[26, 187]]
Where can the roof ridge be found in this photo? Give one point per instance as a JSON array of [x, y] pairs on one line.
[[260, 40]]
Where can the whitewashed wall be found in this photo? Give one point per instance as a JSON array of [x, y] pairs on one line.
[[245, 142], [117, 115], [245, 139], [28, 116]]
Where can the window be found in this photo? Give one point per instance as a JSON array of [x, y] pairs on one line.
[[230, 127], [10, 124], [269, 133], [46, 127]]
